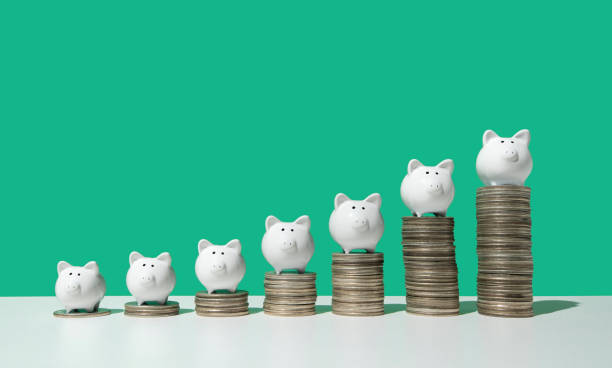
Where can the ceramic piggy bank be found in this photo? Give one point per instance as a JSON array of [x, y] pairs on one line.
[[150, 279], [79, 287], [428, 189], [220, 267], [504, 160], [357, 224], [288, 245]]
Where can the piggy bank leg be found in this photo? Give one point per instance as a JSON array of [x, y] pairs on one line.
[[301, 270], [414, 214], [140, 301], [440, 214], [95, 308], [232, 290], [211, 291], [347, 251], [278, 271], [418, 214], [68, 309]]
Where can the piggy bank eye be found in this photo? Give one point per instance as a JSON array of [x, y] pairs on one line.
[[427, 172], [214, 252], [511, 141], [502, 141], [283, 229], [353, 207], [78, 274], [222, 253], [363, 208], [152, 265], [291, 229], [70, 274], [143, 265], [437, 173]]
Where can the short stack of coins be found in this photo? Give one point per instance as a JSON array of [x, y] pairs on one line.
[[290, 294], [222, 304], [431, 270], [505, 263], [357, 282], [151, 310]]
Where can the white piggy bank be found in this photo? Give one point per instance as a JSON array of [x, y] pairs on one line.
[[150, 279], [287, 245], [357, 224], [504, 160], [428, 189], [220, 267], [79, 287]]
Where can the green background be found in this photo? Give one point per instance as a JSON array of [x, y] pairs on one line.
[[150, 125]]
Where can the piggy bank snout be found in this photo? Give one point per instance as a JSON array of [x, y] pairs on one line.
[[510, 155], [360, 223], [434, 187], [73, 288], [147, 279], [218, 268]]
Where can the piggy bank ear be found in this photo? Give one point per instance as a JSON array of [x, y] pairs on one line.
[[234, 244], [271, 221], [413, 165], [447, 164], [374, 198], [92, 266], [488, 135], [165, 257], [62, 265], [203, 244], [340, 198], [523, 135], [303, 220], [134, 256]]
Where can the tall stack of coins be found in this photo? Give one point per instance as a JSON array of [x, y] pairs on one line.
[[290, 294], [431, 271], [357, 282], [151, 310], [505, 263], [221, 304]]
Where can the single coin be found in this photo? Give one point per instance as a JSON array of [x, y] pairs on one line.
[[99, 313]]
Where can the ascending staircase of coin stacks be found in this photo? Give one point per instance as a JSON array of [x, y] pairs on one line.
[[505, 263], [357, 284], [431, 271], [222, 304], [290, 294]]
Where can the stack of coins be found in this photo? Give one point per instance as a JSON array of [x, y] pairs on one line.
[[222, 304], [357, 282], [431, 271], [290, 294], [132, 309], [505, 264]]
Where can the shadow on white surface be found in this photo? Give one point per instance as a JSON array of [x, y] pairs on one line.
[[394, 308], [468, 306], [550, 306]]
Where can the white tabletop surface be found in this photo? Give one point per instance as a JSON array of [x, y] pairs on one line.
[[566, 332]]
